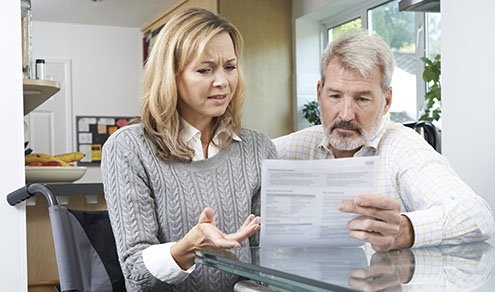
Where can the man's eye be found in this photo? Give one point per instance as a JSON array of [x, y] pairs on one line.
[[334, 96], [363, 99]]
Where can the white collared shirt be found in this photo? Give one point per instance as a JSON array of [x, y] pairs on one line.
[[192, 137], [158, 258]]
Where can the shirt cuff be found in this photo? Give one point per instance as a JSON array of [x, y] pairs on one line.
[[427, 225], [160, 263]]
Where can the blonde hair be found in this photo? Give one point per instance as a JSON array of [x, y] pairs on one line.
[[181, 41]]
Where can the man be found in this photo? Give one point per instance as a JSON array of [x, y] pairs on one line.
[[422, 201]]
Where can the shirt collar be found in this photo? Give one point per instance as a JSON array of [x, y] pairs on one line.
[[190, 132]]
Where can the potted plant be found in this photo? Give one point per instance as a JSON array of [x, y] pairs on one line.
[[431, 75], [311, 112]]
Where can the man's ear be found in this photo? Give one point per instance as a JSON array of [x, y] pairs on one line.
[[388, 100], [319, 87]]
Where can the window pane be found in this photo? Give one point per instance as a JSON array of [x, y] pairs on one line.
[[350, 26], [433, 34], [397, 29], [432, 39]]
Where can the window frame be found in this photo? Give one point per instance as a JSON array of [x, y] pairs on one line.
[[361, 11]]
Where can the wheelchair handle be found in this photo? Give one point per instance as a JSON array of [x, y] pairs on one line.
[[30, 190], [430, 132]]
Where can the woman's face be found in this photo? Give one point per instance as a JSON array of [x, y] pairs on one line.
[[206, 85]]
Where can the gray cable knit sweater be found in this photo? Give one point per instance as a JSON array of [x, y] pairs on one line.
[[152, 202]]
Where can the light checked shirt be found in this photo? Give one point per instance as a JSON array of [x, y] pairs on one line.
[[441, 207]]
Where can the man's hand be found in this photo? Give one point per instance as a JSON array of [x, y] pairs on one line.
[[206, 235], [380, 223]]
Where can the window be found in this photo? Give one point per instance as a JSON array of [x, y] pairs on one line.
[[411, 35], [350, 26]]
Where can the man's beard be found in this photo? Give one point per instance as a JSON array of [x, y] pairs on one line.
[[348, 142]]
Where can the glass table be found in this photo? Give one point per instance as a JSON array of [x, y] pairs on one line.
[[468, 267]]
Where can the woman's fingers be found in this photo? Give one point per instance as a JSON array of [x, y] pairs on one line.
[[207, 216], [212, 237]]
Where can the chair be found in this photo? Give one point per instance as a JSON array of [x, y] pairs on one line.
[[431, 133], [84, 244]]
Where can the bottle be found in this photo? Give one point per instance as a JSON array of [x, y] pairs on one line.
[[40, 69]]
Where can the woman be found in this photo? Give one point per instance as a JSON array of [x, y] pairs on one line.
[[187, 176]]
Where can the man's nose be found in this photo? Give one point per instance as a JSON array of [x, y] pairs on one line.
[[346, 112]]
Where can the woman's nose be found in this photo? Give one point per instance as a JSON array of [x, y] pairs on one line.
[[221, 79]]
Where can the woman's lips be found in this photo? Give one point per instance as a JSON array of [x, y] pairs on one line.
[[217, 97]]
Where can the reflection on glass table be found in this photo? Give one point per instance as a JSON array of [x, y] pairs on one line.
[[447, 268]]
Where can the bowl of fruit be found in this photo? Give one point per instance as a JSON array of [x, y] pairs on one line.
[[41, 167]]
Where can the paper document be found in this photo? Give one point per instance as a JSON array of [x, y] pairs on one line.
[[299, 199]]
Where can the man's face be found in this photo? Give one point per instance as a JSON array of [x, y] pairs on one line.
[[351, 106]]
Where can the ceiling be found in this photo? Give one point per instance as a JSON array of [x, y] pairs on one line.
[[127, 13]]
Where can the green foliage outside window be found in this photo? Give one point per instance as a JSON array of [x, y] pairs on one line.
[[311, 112], [431, 75], [348, 27]]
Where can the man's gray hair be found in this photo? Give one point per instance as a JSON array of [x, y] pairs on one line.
[[360, 52]]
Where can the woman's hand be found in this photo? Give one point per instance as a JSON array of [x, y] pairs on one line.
[[250, 226], [206, 235]]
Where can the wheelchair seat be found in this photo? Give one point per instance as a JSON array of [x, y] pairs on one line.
[[85, 248]]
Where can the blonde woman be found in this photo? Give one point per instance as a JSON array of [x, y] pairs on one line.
[[187, 176]]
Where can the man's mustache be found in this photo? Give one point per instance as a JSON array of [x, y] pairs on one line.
[[346, 125]]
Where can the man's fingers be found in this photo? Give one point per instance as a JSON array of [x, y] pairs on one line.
[[378, 241], [370, 201], [368, 205], [380, 215], [377, 201], [370, 224]]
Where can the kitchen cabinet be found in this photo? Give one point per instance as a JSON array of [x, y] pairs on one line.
[[35, 92], [266, 27]]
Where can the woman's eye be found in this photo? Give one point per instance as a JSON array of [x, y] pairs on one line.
[[204, 70], [230, 67]]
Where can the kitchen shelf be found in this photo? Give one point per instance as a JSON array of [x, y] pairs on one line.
[[37, 92]]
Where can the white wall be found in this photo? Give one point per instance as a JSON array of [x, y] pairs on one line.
[[13, 224], [468, 92], [106, 69]]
